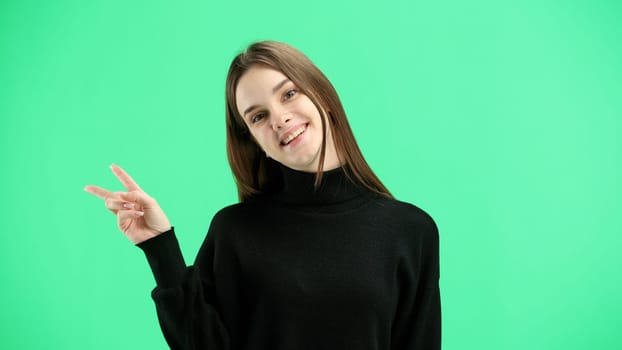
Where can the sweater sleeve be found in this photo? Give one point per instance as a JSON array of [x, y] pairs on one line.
[[183, 297], [417, 323]]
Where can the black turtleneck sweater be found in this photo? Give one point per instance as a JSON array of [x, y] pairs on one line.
[[335, 268]]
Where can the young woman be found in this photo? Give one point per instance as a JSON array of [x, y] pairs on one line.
[[317, 254]]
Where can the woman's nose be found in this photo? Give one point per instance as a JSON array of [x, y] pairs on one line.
[[280, 120]]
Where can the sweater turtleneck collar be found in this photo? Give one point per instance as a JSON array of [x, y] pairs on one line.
[[335, 187]]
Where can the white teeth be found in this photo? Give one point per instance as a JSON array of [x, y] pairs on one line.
[[293, 135]]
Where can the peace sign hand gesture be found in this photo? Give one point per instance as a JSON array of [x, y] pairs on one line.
[[138, 215]]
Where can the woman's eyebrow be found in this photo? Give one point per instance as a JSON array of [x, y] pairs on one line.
[[275, 89], [279, 85]]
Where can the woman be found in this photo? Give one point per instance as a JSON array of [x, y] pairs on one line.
[[317, 254]]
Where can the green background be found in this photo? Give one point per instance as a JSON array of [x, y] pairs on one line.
[[501, 119]]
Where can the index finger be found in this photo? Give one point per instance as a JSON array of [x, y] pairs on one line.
[[125, 179]]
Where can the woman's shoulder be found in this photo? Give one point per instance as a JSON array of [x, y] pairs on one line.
[[237, 214], [226, 221], [233, 212], [405, 213]]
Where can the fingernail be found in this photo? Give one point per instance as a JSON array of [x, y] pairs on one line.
[[128, 205], [140, 213]]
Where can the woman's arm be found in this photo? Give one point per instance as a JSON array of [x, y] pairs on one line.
[[417, 323], [188, 317]]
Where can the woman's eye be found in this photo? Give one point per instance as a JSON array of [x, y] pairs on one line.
[[257, 117], [290, 93]]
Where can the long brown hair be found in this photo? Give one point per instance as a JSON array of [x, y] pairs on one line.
[[255, 173]]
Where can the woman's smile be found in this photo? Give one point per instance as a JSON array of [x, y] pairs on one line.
[[293, 136]]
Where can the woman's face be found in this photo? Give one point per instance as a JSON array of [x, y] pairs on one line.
[[283, 120]]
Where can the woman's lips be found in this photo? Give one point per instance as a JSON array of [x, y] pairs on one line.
[[292, 135]]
